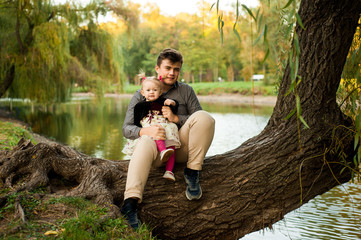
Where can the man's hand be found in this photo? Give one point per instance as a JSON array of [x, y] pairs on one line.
[[168, 114], [156, 132]]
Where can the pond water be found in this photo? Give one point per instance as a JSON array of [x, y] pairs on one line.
[[94, 127]]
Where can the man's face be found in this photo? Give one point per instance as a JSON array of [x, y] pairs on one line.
[[168, 71]]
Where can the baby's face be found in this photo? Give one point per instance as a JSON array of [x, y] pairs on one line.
[[150, 90]]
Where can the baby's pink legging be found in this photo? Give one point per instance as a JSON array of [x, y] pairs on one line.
[[161, 147]]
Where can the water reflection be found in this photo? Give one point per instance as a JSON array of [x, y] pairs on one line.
[[335, 214], [244, 109], [86, 124], [95, 127], [232, 129]]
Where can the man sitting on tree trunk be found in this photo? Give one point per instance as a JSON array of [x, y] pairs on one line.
[[196, 130]]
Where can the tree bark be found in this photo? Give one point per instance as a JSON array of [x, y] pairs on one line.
[[245, 189]]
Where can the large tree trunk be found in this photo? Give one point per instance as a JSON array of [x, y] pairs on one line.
[[250, 187]]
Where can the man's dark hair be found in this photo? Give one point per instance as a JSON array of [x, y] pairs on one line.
[[171, 54]]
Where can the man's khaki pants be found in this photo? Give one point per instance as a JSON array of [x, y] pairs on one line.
[[196, 136]]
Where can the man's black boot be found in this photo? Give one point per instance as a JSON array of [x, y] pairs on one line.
[[129, 210], [193, 190]]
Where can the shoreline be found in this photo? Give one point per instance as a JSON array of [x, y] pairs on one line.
[[237, 99], [225, 99], [232, 99]]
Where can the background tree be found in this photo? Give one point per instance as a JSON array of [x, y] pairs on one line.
[[100, 56], [198, 38], [36, 60], [195, 55]]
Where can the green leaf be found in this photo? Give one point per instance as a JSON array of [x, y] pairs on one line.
[[292, 87], [355, 159], [257, 14], [259, 37], [297, 44], [296, 68], [220, 27], [219, 23], [236, 32], [265, 33], [357, 122], [266, 56], [288, 4], [260, 22], [298, 106], [300, 21], [290, 27], [356, 141], [292, 66], [249, 11], [304, 122], [290, 114], [237, 11]]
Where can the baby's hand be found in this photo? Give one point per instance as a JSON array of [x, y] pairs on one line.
[[169, 102]]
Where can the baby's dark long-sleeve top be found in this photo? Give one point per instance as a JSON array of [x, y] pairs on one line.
[[141, 109]]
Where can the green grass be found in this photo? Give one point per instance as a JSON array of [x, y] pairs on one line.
[[244, 88], [64, 218], [11, 133], [218, 88], [102, 89], [131, 88]]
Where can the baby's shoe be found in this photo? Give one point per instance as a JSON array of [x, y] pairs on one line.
[[169, 175], [165, 154]]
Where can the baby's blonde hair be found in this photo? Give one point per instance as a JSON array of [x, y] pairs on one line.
[[151, 79]]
